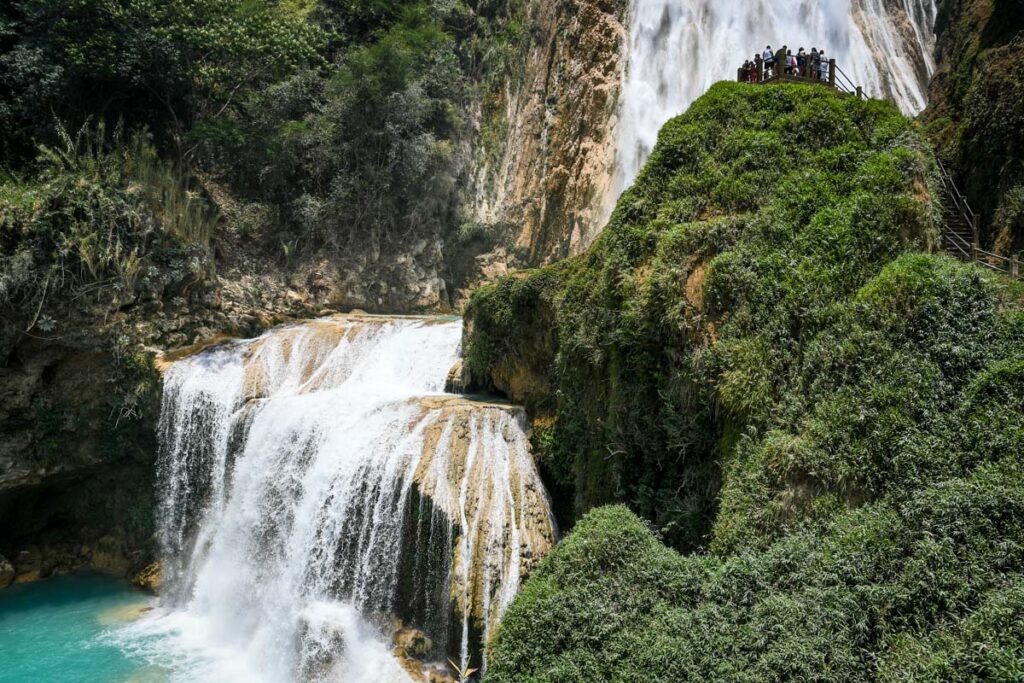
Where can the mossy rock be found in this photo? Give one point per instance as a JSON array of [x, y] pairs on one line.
[[765, 360]]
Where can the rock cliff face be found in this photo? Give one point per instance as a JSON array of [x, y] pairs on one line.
[[903, 42], [975, 115], [544, 165], [75, 462], [78, 408]]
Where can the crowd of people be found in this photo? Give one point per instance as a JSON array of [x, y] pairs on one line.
[[771, 63]]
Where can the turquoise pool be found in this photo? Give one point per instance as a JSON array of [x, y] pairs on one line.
[[54, 631]]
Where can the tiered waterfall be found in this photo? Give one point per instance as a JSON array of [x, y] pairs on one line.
[[320, 493]]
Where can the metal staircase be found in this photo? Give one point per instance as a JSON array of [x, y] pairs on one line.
[[960, 232]]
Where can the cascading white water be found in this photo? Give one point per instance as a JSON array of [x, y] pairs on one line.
[[316, 485], [678, 48]]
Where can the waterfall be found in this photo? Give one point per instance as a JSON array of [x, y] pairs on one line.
[[321, 495], [678, 48]]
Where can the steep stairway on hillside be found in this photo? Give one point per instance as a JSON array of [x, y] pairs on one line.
[[960, 232]]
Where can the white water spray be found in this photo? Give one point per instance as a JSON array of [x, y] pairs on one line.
[[317, 486], [678, 48]]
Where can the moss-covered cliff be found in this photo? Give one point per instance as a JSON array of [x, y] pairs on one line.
[[975, 112], [761, 357]]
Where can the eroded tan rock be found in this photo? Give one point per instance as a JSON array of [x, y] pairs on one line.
[[477, 468], [148, 578]]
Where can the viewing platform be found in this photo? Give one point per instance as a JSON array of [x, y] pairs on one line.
[[824, 73], [961, 234]]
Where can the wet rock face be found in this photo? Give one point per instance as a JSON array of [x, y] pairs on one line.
[[75, 461], [551, 171], [478, 471], [975, 116], [6, 572], [149, 578], [409, 280]]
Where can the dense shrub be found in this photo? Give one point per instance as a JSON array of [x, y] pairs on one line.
[[97, 224], [776, 370], [339, 124], [163, 65]]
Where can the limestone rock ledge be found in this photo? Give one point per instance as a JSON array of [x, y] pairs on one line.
[[553, 166], [476, 468]]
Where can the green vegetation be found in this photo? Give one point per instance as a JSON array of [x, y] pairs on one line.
[[759, 357], [104, 225], [336, 123], [975, 114], [139, 137]]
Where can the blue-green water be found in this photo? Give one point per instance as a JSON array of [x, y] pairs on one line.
[[53, 631]]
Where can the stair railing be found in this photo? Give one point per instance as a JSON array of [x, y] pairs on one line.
[[1008, 265], [953, 240]]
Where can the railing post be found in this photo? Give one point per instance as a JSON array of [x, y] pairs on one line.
[[860, 93], [832, 72], [975, 242], [1015, 265], [760, 68], [739, 75]]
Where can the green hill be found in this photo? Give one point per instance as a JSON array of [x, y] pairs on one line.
[[763, 356]]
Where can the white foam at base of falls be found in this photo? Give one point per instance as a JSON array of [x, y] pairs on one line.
[[678, 48], [301, 472]]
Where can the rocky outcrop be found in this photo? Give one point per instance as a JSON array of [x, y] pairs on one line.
[[516, 365], [975, 114], [75, 459], [6, 572], [502, 498], [148, 578], [547, 151]]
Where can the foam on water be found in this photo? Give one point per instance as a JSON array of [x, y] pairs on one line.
[[308, 495]]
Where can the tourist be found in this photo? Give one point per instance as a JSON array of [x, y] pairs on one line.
[[815, 62], [752, 73], [769, 61], [801, 63], [780, 58], [790, 63], [823, 67]]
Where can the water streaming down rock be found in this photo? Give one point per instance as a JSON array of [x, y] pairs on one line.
[[678, 48], [317, 486]]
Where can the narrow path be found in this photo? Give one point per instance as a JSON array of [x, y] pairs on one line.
[[960, 232]]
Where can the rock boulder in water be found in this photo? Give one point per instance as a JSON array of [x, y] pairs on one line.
[[6, 572]]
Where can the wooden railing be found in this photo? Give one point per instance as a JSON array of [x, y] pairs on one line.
[[808, 73], [960, 233], [845, 84]]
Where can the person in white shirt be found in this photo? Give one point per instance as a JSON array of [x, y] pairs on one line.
[[769, 61]]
